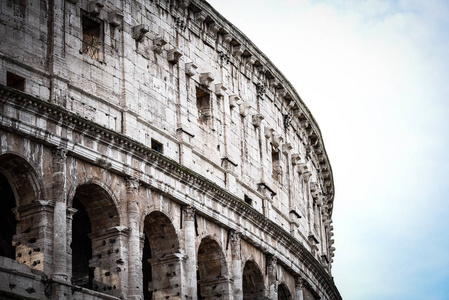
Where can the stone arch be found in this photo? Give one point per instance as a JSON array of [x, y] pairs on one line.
[[162, 260], [212, 275], [20, 190], [22, 177], [284, 292], [96, 238], [253, 281]]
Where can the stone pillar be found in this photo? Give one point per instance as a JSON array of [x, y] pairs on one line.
[[190, 237], [59, 223], [299, 285], [134, 250], [272, 280], [237, 271], [59, 219]]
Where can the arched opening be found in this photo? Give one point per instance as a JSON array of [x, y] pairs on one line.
[[8, 221], [284, 292], [146, 270], [161, 260], [19, 186], [212, 273], [253, 282], [93, 241], [82, 275]]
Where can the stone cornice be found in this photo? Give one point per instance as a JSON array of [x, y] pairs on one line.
[[119, 142]]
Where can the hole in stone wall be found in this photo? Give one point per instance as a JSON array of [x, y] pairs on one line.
[[248, 200], [15, 81], [203, 106], [7, 219], [155, 145], [276, 165], [81, 245], [92, 37]]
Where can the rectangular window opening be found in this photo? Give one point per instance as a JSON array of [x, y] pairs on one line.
[[276, 165], [203, 105], [155, 145], [15, 81], [92, 44], [248, 200]]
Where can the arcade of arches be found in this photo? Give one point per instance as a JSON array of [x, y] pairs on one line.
[[161, 257]]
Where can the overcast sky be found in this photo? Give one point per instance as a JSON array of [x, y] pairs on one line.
[[375, 75]]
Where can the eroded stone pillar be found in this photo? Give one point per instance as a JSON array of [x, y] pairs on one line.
[[237, 271], [272, 281], [299, 285], [59, 219], [59, 223], [190, 237], [134, 253]]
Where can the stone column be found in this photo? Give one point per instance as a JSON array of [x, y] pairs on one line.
[[60, 214], [299, 285], [190, 237], [58, 187], [134, 250], [272, 280], [237, 271]]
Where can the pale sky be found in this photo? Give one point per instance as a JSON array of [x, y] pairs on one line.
[[375, 76]]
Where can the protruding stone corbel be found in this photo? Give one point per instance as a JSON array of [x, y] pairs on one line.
[[104, 163], [273, 82], [115, 18], [191, 69], [303, 168], [206, 79], [296, 157], [250, 60], [296, 113], [281, 92], [139, 31], [268, 132], [173, 55], [276, 140], [286, 148], [265, 190], [234, 101], [214, 28], [238, 50], [244, 108], [200, 16], [158, 43], [257, 120], [183, 4], [304, 123], [95, 7], [220, 89], [306, 176], [228, 164], [227, 38]]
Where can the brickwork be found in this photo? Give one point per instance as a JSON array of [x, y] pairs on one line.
[[153, 152]]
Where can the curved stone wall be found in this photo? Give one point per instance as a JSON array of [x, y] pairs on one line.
[[153, 151]]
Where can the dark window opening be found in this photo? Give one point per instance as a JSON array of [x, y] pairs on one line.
[[92, 44], [146, 270], [155, 145], [15, 81], [248, 200], [203, 105], [81, 246], [276, 165], [7, 219]]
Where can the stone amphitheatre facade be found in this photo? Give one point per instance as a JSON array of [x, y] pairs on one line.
[[149, 150]]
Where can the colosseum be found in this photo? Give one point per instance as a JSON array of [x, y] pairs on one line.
[[149, 150]]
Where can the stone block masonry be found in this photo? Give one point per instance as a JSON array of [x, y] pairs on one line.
[[149, 150]]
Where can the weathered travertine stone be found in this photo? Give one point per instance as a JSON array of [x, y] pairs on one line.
[[149, 150]]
